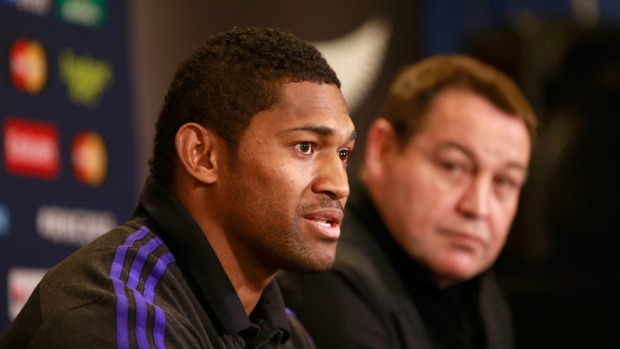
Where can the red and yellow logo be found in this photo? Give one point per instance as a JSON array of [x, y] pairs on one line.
[[90, 158], [31, 148], [28, 65]]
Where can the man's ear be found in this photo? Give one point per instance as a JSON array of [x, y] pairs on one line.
[[381, 144], [200, 152]]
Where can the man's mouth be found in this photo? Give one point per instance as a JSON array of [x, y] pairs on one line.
[[466, 238], [328, 222]]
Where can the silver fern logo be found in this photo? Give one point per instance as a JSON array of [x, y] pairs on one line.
[[357, 57]]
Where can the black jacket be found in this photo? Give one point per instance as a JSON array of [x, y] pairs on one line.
[[153, 282]]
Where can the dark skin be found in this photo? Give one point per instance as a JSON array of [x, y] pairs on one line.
[[279, 204]]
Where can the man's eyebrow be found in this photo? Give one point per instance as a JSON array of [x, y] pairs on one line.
[[468, 153], [455, 145], [319, 130]]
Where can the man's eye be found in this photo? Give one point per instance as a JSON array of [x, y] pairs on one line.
[[507, 182], [453, 167], [344, 154], [305, 147]]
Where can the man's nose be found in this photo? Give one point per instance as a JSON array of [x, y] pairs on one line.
[[332, 178], [475, 201]]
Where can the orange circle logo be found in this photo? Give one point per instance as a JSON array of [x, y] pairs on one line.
[[28, 65], [89, 158]]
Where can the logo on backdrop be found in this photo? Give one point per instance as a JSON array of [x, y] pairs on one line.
[[35, 7], [21, 282], [76, 226], [5, 220], [31, 148], [89, 158], [89, 13], [358, 58], [85, 77], [28, 65]]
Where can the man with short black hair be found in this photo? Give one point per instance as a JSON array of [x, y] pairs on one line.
[[248, 176]]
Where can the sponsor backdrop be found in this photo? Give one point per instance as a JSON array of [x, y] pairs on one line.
[[67, 172]]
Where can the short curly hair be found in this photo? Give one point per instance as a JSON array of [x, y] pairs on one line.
[[226, 81]]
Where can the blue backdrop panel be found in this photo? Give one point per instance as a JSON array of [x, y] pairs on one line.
[[67, 149]]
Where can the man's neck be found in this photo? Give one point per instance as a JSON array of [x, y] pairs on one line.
[[247, 276]]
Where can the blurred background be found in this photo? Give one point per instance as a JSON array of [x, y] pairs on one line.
[[82, 81]]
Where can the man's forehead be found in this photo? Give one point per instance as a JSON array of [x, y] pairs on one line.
[[310, 106], [322, 130]]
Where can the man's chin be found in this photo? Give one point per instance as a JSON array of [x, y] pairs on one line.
[[312, 265], [447, 276]]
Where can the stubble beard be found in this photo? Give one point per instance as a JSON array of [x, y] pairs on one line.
[[283, 247], [289, 251]]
